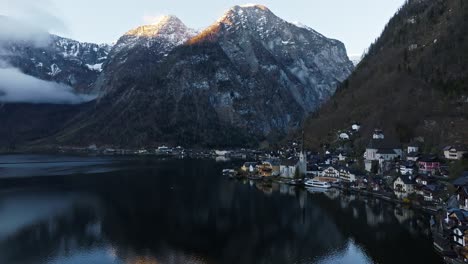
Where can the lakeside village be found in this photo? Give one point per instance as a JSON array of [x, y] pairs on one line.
[[435, 182]]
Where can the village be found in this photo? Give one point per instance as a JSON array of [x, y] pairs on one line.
[[436, 182]]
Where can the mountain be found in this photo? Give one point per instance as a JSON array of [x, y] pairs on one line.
[[356, 59], [141, 47], [248, 77], [50, 57], [412, 82]]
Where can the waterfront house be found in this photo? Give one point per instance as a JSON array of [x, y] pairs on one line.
[[403, 186], [455, 152], [249, 167], [428, 164], [288, 167], [347, 175], [331, 172], [314, 170], [269, 168]]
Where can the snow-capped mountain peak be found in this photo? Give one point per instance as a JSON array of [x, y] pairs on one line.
[[169, 29], [166, 25]]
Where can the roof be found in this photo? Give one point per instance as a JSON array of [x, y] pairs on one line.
[[431, 188], [430, 158], [382, 144], [409, 164], [462, 215], [386, 151], [248, 164], [407, 179], [425, 177], [461, 181], [457, 147], [290, 162], [273, 162], [414, 143], [313, 168]]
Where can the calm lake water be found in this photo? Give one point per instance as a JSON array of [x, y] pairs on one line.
[[145, 211]]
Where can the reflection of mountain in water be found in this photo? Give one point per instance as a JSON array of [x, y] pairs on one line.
[[169, 213]]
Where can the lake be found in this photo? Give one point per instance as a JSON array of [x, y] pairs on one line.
[[104, 210]]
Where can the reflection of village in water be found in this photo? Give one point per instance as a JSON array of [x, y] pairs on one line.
[[373, 212]]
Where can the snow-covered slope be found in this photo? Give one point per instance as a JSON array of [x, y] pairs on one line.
[[57, 59]]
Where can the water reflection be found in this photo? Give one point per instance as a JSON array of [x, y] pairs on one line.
[[184, 212]]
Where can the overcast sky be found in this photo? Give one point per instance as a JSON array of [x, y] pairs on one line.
[[355, 22]]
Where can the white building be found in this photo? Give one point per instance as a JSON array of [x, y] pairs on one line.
[[381, 150], [346, 175], [344, 136], [413, 149], [455, 152], [378, 134], [406, 169], [403, 186], [288, 168], [331, 172], [356, 127]]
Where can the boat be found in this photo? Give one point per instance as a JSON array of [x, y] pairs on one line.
[[318, 184], [294, 182], [221, 153], [230, 173]]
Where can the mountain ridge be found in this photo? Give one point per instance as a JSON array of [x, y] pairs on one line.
[[225, 86]]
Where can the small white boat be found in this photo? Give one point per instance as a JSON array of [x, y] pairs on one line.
[[318, 184]]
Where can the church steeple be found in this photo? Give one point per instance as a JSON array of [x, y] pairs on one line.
[[302, 158]]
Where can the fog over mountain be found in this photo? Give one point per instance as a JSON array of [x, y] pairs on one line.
[[29, 66], [17, 86]]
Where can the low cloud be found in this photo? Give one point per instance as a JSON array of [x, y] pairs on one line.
[[26, 20], [32, 22], [17, 87], [152, 19], [14, 30]]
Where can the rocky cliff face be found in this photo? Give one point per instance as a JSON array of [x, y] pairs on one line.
[[249, 76]]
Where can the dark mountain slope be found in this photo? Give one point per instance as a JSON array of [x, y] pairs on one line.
[[21, 123], [413, 81]]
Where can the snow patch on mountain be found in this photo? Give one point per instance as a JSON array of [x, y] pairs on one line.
[[95, 67]]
